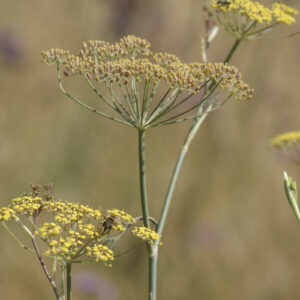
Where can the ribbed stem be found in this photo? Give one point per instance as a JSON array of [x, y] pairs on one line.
[[151, 250], [142, 172]]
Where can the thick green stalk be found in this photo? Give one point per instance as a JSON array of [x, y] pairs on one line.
[[142, 173], [69, 281], [152, 261], [152, 250]]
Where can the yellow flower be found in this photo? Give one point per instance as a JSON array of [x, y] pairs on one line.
[[122, 215], [253, 11], [49, 230], [248, 19], [284, 14], [100, 252], [6, 213], [27, 204], [146, 234], [72, 231], [286, 139]]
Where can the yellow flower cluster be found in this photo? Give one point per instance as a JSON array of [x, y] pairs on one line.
[[63, 248], [251, 10], [283, 13], [121, 215], [26, 205], [146, 234], [286, 139], [49, 229], [6, 213], [100, 252], [254, 11], [67, 212], [76, 230]]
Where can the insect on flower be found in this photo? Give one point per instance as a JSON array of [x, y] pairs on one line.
[[223, 2], [108, 224]]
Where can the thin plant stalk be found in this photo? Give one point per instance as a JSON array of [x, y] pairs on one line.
[[192, 132], [69, 281], [240, 39], [14, 236], [62, 281], [55, 290], [82, 103], [232, 50]]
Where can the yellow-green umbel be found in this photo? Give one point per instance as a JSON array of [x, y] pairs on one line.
[[286, 139], [142, 88], [247, 19], [72, 230]]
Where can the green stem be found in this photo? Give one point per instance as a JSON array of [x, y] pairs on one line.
[[152, 260], [201, 115], [192, 132], [142, 173], [69, 281], [99, 94], [232, 50], [62, 281], [84, 104], [14, 236], [51, 281], [152, 250]]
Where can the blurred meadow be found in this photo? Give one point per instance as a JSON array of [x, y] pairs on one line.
[[231, 233]]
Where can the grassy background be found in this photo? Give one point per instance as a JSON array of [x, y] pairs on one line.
[[230, 232]]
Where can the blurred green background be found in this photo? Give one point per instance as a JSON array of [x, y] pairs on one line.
[[230, 233]]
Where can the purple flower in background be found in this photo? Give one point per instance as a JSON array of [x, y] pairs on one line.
[[91, 283], [11, 49]]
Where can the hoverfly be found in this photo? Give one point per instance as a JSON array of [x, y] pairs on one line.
[[108, 224], [223, 2]]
